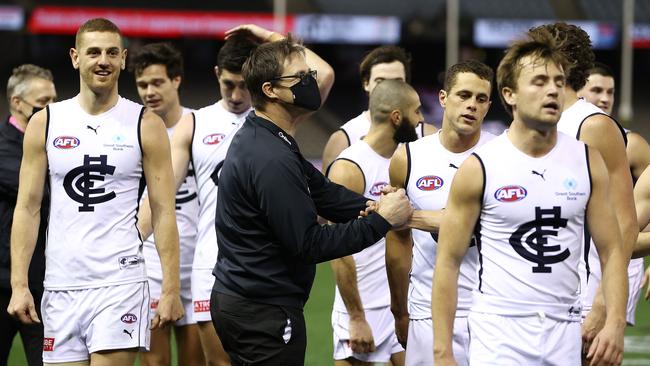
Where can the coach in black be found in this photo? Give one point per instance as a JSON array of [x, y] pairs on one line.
[[268, 201], [29, 89]]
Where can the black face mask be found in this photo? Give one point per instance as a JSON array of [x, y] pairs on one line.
[[306, 94], [35, 110], [404, 132]]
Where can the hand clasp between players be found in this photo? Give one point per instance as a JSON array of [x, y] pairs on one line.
[[170, 309], [395, 207]]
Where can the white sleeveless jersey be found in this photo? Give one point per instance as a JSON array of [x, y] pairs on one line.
[[187, 213], [590, 271], [214, 128], [432, 169], [96, 179], [357, 128], [573, 117], [530, 229], [372, 281]]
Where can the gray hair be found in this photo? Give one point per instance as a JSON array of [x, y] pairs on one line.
[[22, 75]]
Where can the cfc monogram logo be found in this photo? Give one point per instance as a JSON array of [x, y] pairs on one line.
[[79, 183], [537, 249]]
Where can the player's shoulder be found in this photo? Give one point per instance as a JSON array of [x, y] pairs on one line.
[[426, 141], [356, 150], [356, 122], [128, 105], [66, 105], [485, 137], [491, 144]]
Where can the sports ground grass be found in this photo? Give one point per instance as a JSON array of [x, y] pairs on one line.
[[319, 333]]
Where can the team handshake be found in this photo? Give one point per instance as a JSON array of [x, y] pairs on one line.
[[394, 206]]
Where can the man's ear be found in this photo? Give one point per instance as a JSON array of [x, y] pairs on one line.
[[74, 57], [509, 96], [123, 65], [267, 89], [442, 98], [395, 117]]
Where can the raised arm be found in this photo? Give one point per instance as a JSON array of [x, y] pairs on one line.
[[399, 251], [607, 346], [350, 176], [463, 209], [180, 150], [156, 162], [27, 215], [325, 72]]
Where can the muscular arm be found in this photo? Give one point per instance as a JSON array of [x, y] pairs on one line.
[[345, 269], [180, 151], [348, 175], [638, 153], [600, 132], [399, 251], [463, 209], [337, 142], [614, 285], [160, 185], [26, 220]]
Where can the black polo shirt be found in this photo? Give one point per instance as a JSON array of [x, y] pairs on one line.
[[268, 200], [11, 154]]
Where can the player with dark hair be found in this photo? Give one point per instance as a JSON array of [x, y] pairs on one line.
[[425, 169], [526, 196], [96, 149], [158, 69], [599, 91], [382, 63]]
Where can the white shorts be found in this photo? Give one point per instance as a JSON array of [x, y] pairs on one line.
[[635, 273], [524, 340], [381, 323], [80, 322], [419, 346], [155, 285], [202, 283]]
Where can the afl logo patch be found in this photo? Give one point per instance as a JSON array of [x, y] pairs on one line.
[[510, 193], [429, 183], [213, 139], [66, 142], [376, 188], [129, 318]]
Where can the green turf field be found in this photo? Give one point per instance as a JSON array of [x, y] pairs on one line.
[[319, 333]]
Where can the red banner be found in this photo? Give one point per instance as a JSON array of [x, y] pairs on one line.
[[147, 22]]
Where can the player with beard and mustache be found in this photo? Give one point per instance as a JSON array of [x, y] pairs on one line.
[[364, 331]]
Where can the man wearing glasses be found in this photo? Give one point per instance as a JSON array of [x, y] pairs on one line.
[[268, 200]]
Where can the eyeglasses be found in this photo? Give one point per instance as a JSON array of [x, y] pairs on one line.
[[302, 75]]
